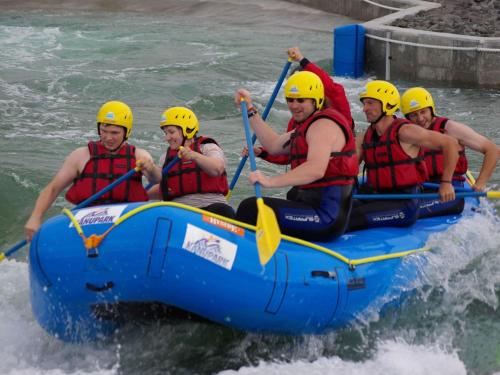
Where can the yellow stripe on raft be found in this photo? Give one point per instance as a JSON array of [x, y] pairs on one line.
[[351, 262]]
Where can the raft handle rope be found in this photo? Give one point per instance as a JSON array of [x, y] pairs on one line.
[[93, 241]]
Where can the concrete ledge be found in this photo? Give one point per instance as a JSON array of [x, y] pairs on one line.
[[418, 55]]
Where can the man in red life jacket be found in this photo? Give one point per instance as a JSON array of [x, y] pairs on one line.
[[200, 178], [95, 166], [392, 152], [418, 106], [324, 165], [335, 98]]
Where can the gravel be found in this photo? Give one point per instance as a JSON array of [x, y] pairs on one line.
[[465, 17]]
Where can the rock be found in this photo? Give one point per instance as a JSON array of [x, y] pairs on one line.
[[467, 17]]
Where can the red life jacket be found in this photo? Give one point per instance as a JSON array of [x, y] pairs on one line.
[[102, 169], [434, 158], [343, 166], [187, 177], [388, 166]]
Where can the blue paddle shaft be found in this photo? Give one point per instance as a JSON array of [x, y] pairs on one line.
[[165, 170], [264, 117], [416, 196], [111, 186], [16, 247], [253, 165], [436, 186]]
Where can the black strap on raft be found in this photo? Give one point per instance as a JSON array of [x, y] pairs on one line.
[[328, 274]]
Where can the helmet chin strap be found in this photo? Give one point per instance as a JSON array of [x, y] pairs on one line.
[[378, 119], [120, 145]]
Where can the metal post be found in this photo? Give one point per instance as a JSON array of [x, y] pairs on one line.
[[388, 57]]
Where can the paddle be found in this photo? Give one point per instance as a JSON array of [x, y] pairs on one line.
[[457, 188], [464, 194], [267, 234], [165, 170], [111, 186], [432, 185], [264, 117], [83, 204]]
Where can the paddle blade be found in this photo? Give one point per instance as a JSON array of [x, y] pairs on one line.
[[268, 233], [493, 194]]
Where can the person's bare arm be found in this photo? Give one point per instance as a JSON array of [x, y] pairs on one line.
[[271, 140], [436, 141], [469, 138], [359, 147], [154, 192], [70, 169], [148, 167], [326, 139], [211, 162]]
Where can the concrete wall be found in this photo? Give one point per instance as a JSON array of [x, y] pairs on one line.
[[357, 9], [467, 68]]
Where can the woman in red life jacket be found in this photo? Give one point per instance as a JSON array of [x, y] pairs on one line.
[[324, 165], [391, 149], [335, 98], [93, 167], [418, 106], [199, 179]]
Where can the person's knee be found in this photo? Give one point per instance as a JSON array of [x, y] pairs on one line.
[[221, 209], [247, 211], [227, 211]]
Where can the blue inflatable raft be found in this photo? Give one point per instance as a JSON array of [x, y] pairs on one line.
[[87, 265]]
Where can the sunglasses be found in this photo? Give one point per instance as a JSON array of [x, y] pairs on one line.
[[298, 100]]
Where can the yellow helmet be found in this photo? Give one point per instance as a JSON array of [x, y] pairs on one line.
[[116, 113], [305, 85], [385, 92], [183, 118], [415, 99]]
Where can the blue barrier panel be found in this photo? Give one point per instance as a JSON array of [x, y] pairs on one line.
[[349, 51]]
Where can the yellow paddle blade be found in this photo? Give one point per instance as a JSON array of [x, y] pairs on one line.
[[470, 177], [268, 233], [493, 194], [228, 195], [2, 256]]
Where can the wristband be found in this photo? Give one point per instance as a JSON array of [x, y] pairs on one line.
[[445, 182], [303, 62], [251, 112], [263, 154]]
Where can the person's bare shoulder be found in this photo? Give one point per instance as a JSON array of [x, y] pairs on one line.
[[77, 159]]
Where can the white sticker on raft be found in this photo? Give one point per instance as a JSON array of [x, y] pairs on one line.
[[99, 215], [209, 246]]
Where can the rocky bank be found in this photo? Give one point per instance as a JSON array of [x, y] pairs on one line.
[[466, 17]]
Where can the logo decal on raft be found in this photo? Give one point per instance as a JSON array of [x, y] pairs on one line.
[[99, 215], [224, 225], [209, 246]]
